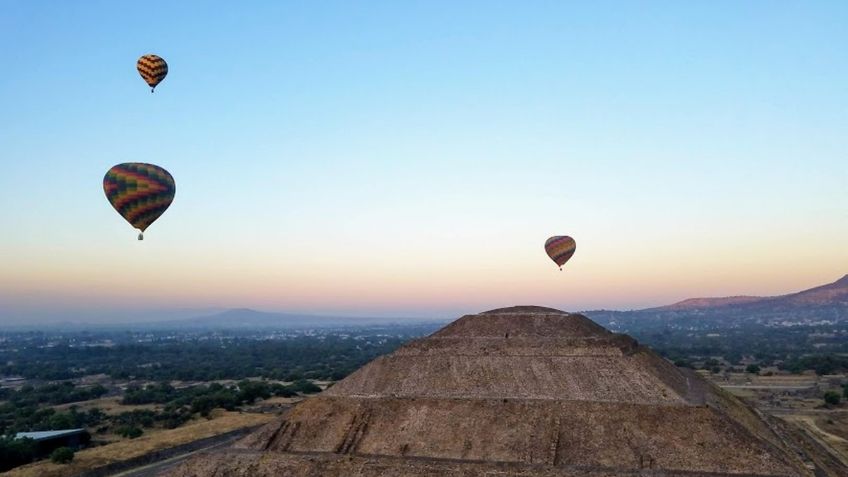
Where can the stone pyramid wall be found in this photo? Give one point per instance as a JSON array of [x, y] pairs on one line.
[[515, 391]]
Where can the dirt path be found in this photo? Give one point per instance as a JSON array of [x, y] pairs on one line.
[[157, 468], [836, 445]]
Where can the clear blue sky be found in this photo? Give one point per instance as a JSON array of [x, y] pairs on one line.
[[410, 158]]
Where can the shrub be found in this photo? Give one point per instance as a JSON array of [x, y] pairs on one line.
[[282, 391], [305, 387], [62, 455], [753, 369], [832, 398], [131, 432]]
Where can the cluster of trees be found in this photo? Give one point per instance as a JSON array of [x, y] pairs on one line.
[[28, 409], [180, 404], [54, 393], [821, 364], [167, 356], [16, 452], [203, 398], [822, 349], [329, 357], [131, 423]]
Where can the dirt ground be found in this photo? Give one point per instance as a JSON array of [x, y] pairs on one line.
[[798, 400]]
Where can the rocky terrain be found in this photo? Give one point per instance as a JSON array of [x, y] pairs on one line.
[[518, 391]]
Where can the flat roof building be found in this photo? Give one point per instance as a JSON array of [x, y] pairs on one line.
[[39, 436], [48, 441]]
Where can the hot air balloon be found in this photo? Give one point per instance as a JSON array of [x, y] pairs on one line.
[[139, 192], [560, 248], [153, 69]]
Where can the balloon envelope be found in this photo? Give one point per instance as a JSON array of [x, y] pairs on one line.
[[153, 69], [560, 248], [139, 192]]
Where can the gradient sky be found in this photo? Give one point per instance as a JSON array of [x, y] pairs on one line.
[[410, 158]]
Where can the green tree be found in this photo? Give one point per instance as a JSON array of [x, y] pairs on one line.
[[62, 420], [62, 455], [15, 452], [305, 387], [832, 398], [753, 369], [250, 391]]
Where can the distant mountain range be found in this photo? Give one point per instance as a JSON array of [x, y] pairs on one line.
[[832, 294], [247, 318], [233, 319], [822, 304]]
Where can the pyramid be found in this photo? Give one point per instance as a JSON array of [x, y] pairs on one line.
[[521, 391]]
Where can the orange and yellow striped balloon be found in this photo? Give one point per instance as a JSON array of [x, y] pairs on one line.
[[139, 192], [560, 248], [153, 69]]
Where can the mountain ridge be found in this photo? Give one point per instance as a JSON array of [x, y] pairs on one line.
[[823, 304], [835, 292]]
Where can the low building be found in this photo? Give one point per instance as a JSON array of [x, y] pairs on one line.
[[48, 441]]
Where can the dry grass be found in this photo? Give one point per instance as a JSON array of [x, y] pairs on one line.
[[151, 441], [282, 400], [836, 423]]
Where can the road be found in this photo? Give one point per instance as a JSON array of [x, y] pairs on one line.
[[156, 468]]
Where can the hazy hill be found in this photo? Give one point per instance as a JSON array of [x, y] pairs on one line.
[[825, 303], [233, 319], [699, 303], [247, 318], [832, 294]]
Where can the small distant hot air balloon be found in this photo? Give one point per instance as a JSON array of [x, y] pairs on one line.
[[139, 192], [560, 248], [153, 69]]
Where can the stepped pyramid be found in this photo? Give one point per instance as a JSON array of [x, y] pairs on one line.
[[522, 391]]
